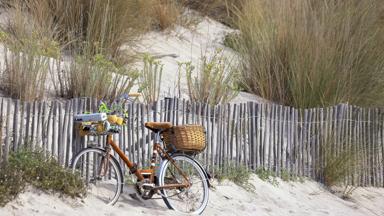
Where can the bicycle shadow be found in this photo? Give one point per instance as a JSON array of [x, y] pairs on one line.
[[131, 198]]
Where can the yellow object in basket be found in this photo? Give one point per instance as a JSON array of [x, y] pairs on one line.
[[113, 119], [100, 128]]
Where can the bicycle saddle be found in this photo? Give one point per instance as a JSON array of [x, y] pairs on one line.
[[158, 126]]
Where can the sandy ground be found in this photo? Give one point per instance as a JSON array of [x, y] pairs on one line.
[[286, 198]]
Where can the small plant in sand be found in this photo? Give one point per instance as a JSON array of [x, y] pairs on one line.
[[290, 177], [213, 81], [27, 167], [150, 79], [238, 174], [267, 175], [336, 165]]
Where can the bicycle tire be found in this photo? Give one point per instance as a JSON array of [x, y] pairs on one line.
[[115, 176], [173, 196]]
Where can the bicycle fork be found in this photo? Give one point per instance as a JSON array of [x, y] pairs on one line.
[[104, 164]]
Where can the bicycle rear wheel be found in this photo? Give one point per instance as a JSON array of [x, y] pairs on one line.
[[191, 200], [103, 178]]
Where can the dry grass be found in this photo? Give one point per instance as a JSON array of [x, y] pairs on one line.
[[98, 26], [214, 80], [220, 10], [166, 13], [313, 53]]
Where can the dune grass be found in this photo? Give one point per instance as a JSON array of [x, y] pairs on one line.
[[104, 26], [26, 61], [313, 53]]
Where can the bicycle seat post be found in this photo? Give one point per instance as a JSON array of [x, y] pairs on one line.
[[158, 142]]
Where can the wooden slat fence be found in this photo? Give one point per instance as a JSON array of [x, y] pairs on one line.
[[281, 139]]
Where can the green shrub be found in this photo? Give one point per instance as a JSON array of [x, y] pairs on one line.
[[43, 172], [313, 53], [11, 184], [213, 82]]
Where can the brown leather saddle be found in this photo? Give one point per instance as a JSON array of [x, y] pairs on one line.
[[158, 126]]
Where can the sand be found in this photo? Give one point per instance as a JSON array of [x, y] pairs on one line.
[[226, 198]]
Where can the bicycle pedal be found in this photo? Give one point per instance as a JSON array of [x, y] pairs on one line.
[[148, 186]]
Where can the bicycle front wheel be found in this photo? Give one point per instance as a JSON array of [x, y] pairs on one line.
[[102, 177], [191, 200]]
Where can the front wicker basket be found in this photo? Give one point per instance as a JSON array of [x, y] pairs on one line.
[[186, 138]]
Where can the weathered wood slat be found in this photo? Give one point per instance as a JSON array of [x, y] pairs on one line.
[[16, 126], [55, 130], [2, 123], [68, 130], [8, 130], [39, 136], [34, 125], [27, 141]]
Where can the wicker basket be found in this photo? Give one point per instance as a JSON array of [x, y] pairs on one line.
[[186, 138]]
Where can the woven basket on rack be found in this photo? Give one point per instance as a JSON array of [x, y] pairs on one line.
[[187, 138]]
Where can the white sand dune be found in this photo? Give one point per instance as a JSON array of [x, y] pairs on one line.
[[287, 198]]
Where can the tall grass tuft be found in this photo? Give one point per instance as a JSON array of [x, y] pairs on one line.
[[313, 53], [150, 79], [214, 80], [336, 165], [166, 13], [94, 76]]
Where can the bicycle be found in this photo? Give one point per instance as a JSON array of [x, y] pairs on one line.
[[178, 178]]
